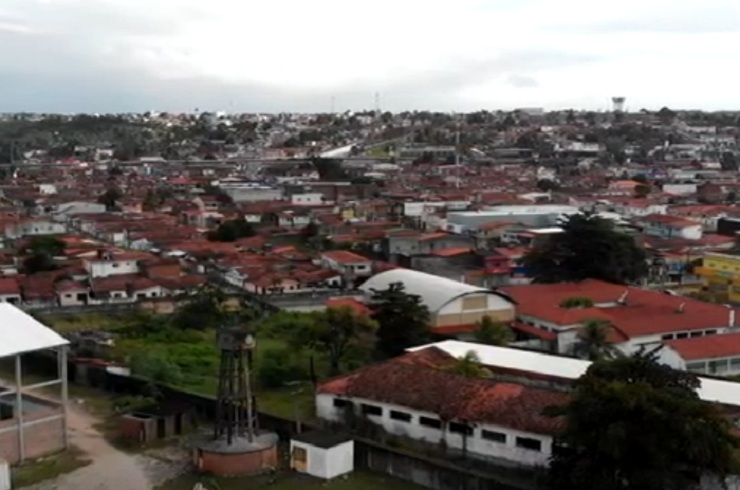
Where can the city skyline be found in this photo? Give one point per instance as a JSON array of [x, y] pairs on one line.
[[286, 55]]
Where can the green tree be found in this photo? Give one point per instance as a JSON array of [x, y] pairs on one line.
[[337, 333], [546, 185], [110, 198], [310, 231], [491, 332], [592, 341], [632, 423], [41, 252], [469, 366], [402, 318], [231, 230], [48, 244], [588, 247], [642, 191], [202, 311]]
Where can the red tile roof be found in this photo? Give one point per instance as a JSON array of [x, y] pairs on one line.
[[353, 304], [452, 252], [415, 381], [644, 313], [9, 285], [708, 347], [344, 257], [668, 220]]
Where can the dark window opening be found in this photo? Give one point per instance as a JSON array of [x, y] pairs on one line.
[[461, 428], [430, 422], [529, 443], [371, 409], [493, 436], [402, 416], [339, 403]]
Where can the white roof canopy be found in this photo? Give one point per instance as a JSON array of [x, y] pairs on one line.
[[21, 333]]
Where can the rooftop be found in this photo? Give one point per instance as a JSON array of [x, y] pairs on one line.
[[21, 333]]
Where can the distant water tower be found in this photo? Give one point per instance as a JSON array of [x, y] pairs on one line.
[[618, 104]]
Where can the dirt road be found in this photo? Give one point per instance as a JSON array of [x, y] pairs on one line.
[[111, 469]]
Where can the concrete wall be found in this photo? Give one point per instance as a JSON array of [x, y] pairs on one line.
[[471, 308]]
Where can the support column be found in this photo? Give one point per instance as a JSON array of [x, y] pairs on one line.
[[19, 407], [62, 357]]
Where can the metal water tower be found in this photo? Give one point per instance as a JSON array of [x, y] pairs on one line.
[[618, 104]]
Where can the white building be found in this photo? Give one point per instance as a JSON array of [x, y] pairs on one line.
[[307, 199], [487, 418], [667, 226], [322, 455], [107, 263], [715, 355], [347, 263], [450, 303], [35, 227]]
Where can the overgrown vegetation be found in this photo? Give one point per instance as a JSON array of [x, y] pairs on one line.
[[48, 468], [577, 302]]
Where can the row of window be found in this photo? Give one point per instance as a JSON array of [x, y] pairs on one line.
[[686, 335], [435, 423], [717, 366]]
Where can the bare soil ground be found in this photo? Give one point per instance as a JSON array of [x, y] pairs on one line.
[[111, 468]]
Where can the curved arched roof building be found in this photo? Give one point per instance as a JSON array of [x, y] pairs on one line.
[[454, 306]]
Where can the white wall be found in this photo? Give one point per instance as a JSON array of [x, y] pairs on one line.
[[680, 189], [307, 199], [112, 267], [668, 356], [341, 459], [476, 445], [493, 303]]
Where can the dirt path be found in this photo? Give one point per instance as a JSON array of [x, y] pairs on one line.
[[111, 469]]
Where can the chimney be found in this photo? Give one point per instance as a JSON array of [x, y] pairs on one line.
[[731, 318], [681, 308], [623, 299]]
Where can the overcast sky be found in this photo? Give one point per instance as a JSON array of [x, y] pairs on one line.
[[298, 55]]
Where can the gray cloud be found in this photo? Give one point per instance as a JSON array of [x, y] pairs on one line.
[[522, 81], [81, 55]]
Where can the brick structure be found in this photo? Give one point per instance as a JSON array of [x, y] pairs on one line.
[[239, 458], [40, 439]]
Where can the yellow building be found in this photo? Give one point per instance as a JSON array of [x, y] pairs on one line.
[[720, 275]]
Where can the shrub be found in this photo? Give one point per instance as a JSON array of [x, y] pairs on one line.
[[576, 302]]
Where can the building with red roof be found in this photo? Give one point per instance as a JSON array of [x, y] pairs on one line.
[[717, 355], [415, 396], [634, 317]]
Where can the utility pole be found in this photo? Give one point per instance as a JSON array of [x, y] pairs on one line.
[[457, 155]]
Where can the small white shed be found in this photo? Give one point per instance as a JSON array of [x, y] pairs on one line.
[[322, 454]]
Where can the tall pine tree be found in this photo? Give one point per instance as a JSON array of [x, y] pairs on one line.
[[402, 318]]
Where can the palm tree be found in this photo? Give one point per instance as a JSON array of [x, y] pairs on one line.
[[469, 366], [491, 332], [593, 340]]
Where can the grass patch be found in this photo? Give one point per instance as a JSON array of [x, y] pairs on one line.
[[75, 322], [293, 481], [196, 358], [48, 468]]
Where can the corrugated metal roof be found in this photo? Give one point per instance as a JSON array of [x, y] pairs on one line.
[[435, 291], [20, 333]]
